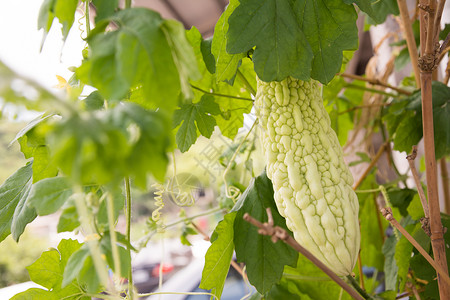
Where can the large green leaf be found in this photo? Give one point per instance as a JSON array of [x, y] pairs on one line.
[[218, 256], [195, 116], [14, 213], [145, 52], [281, 47], [100, 146], [105, 8], [48, 270], [48, 195], [255, 250], [226, 64], [296, 38]]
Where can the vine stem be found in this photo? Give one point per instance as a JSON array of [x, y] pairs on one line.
[[247, 84], [413, 169], [375, 82], [387, 213], [221, 95], [371, 165], [357, 287], [88, 20], [427, 64], [127, 3], [227, 188], [112, 232], [91, 239], [277, 233], [128, 234]]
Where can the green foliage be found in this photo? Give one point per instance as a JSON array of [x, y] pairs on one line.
[[64, 10], [48, 195], [48, 271], [376, 10], [255, 250], [298, 38], [195, 116], [219, 255], [14, 212], [145, 51], [404, 120]]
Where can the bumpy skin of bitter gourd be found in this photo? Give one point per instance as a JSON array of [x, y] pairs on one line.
[[311, 182]]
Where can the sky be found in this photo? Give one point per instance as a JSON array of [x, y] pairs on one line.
[[20, 43]]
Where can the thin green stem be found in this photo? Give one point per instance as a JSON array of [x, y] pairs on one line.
[[127, 3], [367, 191], [221, 95], [92, 239], [128, 234], [356, 286], [353, 86], [178, 293], [147, 237], [247, 84], [227, 189], [112, 232], [88, 22]]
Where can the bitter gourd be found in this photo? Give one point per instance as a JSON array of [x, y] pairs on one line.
[[312, 184]]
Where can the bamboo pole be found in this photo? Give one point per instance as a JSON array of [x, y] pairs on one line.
[[427, 63]]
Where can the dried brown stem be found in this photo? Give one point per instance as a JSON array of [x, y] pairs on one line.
[[410, 40], [371, 165], [445, 185], [412, 166], [387, 213], [277, 233], [427, 64], [376, 82], [437, 20]]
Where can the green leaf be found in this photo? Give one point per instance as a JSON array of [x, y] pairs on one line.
[[330, 28], [226, 64], [390, 265], [74, 265], [281, 47], [101, 148], [105, 8], [68, 220], [48, 195], [232, 109], [46, 269], [286, 289], [195, 116], [404, 120], [373, 236], [43, 166], [312, 282], [182, 53], [35, 294], [48, 272], [415, 208], [377, 10], [401, 198], [255, 250], [94, 101], [64, 10], [14, 214], [143, 52], [403, 253], [124, 257], [218, 256]]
